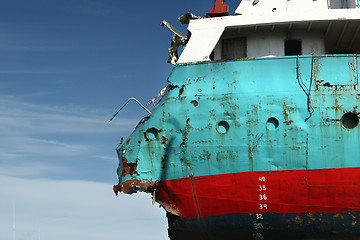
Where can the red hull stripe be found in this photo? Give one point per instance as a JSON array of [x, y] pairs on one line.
[[298, 191]]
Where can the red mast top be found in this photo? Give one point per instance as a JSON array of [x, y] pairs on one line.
[[220, 9]]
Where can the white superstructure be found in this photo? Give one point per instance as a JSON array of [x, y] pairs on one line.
[[263, 28]]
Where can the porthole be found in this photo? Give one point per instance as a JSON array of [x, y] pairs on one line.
[[272, 123], [223, 127], [151, 134], [350, 120]]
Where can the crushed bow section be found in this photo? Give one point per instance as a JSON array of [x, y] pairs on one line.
[[134, 186]]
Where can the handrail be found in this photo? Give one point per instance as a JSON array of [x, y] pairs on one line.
[[125, 105]]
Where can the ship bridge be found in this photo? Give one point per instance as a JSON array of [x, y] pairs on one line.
[[268, 28]]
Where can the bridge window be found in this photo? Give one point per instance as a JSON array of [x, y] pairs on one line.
[[234, 48], [292, 47], [341, 4]]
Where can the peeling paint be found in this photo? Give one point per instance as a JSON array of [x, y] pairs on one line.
[[134, 186], [164, 140], [289, 155], [181, 91], [128, 168], [195, 103], [288, 122]]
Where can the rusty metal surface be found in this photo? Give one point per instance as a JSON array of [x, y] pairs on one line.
[[289, 226], [178, 40], [248, 116], [245, 94]]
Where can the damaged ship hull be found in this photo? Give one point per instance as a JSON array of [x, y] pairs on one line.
[[260, 148]]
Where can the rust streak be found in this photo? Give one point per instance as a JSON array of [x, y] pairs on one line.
[[195, 103], [128, 141], [163, 161], [299, 220], [164, 140], [134, 186], [356, 113], [181, 91], [128, 168], [195, 197], [289, 122], [116, 189], [286, 115], [146, 136]]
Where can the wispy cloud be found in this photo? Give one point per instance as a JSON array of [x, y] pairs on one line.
[[30, 169], [25, 117], [76, 210], [41, 139], [28, 146], [106, 158]]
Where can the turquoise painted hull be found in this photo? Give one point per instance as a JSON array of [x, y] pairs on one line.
[[245, 94], [271, 138]]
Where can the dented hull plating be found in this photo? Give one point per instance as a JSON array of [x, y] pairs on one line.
[[270, 138]]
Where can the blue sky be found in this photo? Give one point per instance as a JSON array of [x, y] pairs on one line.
[[65, 68]]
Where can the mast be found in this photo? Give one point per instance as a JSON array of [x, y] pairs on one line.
[[221, 8]]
